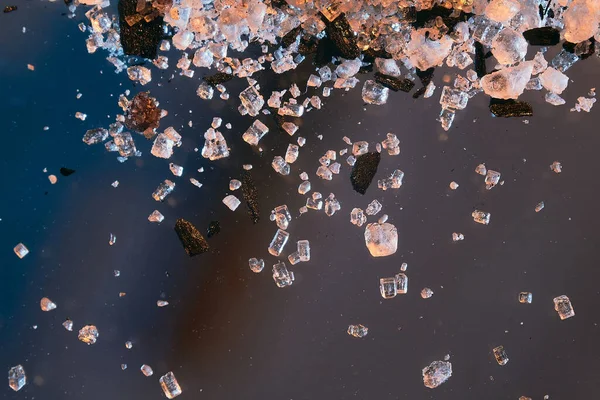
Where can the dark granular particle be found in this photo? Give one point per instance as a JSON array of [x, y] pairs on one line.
[[364, 171], [340, 32], [219, 77], [250, 195], [192, 240], [8, 9], [290, 37], [371, 54], [307, 46], [66, 171], [510, 108], [214, 227], [324, 53], [141, 39], [480, 67], [394, 83], [143, 113], [545, 36]]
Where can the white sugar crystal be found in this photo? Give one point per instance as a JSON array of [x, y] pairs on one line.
[[255, 133], [177, 170], [256, 265], [554, 99], [509, 47], [280, 166], [195, 182], [436, 373], [453, 98], [393, 182], [584, 104], [234, 184], [331, 205], [381, 239], [231, 202], [20, 250], [508, 83], [425, 53], [348, 68], [374, 93], [502, 10], [304, 187], [139, 74], [291, 155], [373, 208], [554, 81], [156, 216], [387, 66]]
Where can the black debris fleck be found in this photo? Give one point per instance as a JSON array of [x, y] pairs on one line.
[[324, 53], [364, 171], [307, 46], [371, 54], [425, 77], [214, 227], [545, 36], [290, 37], [219, 77], [8, 9], [510, 108], [192, 240], [340, 32], [250, 195], [394, 83], [141, 39], [366, 68], [66, 171], [480, 60]]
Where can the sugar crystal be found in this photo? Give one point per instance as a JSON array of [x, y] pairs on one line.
[[256, 265], [436, 373], [282, 276], [358, 331], [88, 334], [17, 378], [563, 307], [46, 304], [169, 385], [500, 355], [381, 239], [278, 243]]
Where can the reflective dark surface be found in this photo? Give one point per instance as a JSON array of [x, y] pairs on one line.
[[229, 333]]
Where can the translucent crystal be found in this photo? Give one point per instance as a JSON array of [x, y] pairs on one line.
[[278, 243], [373, 208], [290, 128], [509, 47], [404, 266], [563, 307], [234, 184], [502, 10], [348, 68], [554, 99], [94, 136], [139, 74], [485, 30], [381, 239], [393, 182], [453, 185], [146, 370], [426, 293], [331, 205], [303, 247], [205, 91], [128, 344], [436, 373], [88, 334], [351, 160], [123, 367], [425, 53], [554, 81], [16, 378], [446, 118], [252, 100], [294, 258], [282, 217], [115, 184], [388, 288], [401, 283], [525, 297], [358, 217], [169, 385], [500, 355], [313, 81], [282, 276], [20, 250], [360, 148], [112, 239], [46, 304], [256, 265], [358, 331], [304, 187], [335, 168], [374, 93], [584, 104], [508, 83], [556, 167], [255, 132], [292, 110], [195, 182], [539, 206], [163, 190], [453, 98], [391, 144], [481, 217], [324, 173], [231, 202], [480, 169], [68, 324], [280, 166], [177, 170], [291, 155], [491, 179], [215, 146]]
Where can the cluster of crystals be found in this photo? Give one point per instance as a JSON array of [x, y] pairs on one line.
[[500, 355], [390, 287], [358, 331], [302, 253]]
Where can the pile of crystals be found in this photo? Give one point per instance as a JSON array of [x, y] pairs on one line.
[[404, 39]]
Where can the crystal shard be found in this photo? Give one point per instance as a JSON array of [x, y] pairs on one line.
[[68, 325], [163, 190], [381, 239], [146, 370], [46, 304], [162, 147], [481, 217], [426, 293], [94, 136], [20, 250], [231, 202], [169, 385], [364, 171], [256, 265], [563, 307], [282, 276], [252, 100], [393, 182], [556, 167], [401, 283], [388, 288], [500, 355], [491, 179], [282, 217], [525, 297], [358, 331], [508, 83], [215, 146], [374, 93], [88, 334], [17, 378], [278, 243], [256, 132], [436, 373], [192, 240], [303, 250], [358, 217]]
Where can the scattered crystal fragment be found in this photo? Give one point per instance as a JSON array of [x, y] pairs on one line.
[[500, 355], [381, 239], [508, 83], [177, 170], [509, 47], [331, 205], [169, 385], [453, 185], [453, 98], [139, 74], [556, 167], [123, 367], [192, 240], [163, 190], [46, 304], [373, 208], [324, 173], [215, 146], [446, 118], [289, 127], [303, 247], [374, 93], [393, 182], [282, 276], [68, 324], [426, 293], [292, 110], [388, 288], [280, 166], [358, 217], [252, 100], [256, 265], [205, 91], [360, 148], [383, 218], [358, 331], [491, 179], [88, 334], [20, 250], [94, 136], [301, 141], [255, 132], [234, 184], [436, 373], [481, 217], [195, 182], [404, 266], [162, 303], [525, 398], [553, 80], [525, 297], [563, 307], [231, 202], [80, 115], [282, 217], [278, 243], [539, 206], [391, 144], [291, 155], [480, 169], [112, 239], [116, 273], [53, 179], [401, 283], [17, 378], [115, 184], [314, 202], [457, 237], [162, 147], [554, 99], [146, 370], [304, 187]]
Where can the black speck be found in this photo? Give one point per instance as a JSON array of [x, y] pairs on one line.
[[364, 171], [214, 227], [66, 171]]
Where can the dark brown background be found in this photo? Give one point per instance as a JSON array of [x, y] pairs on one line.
[[232, 334]]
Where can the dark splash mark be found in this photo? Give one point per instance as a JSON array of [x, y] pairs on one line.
[[340, 32], [290, 37], [546, 36], [425, 77], [364, 171], [192, 240], [250, 194], [480, 67], [9, 9], [214, 227], [307, 46], [66, 171], [218, 78], [394, 83], [510, 108], [141, 39]]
